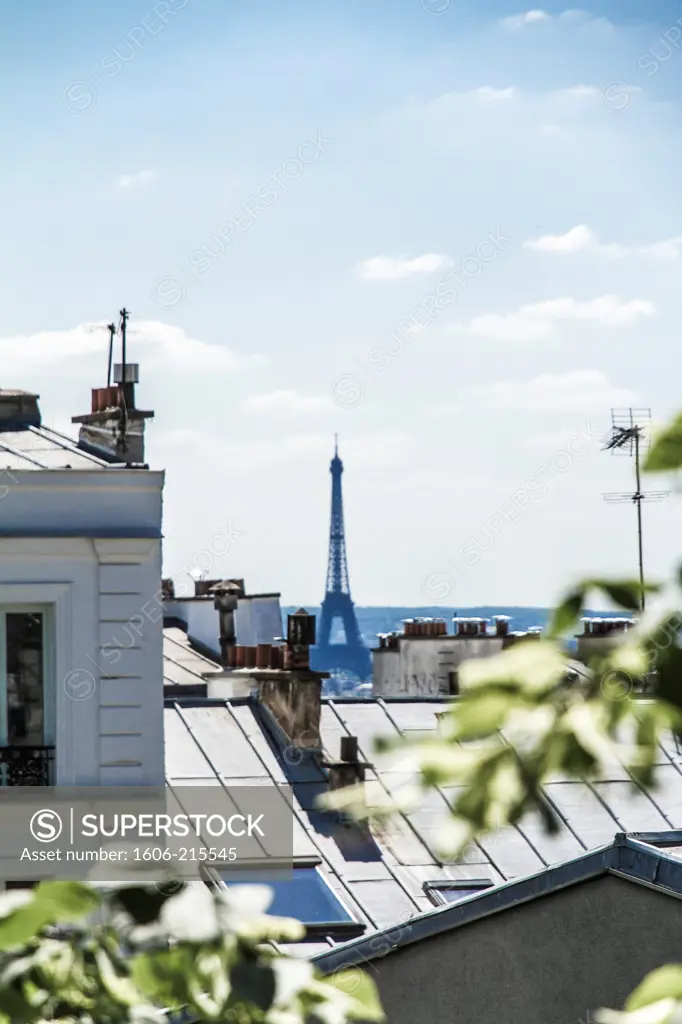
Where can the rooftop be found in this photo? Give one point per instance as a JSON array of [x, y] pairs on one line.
[[380, 876], [43, 448], [627, 857]]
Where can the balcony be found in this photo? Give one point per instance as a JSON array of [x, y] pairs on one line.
[[26, 766]]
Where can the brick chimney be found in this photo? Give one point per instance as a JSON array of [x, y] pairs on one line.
[[115, 426], [293, 696]]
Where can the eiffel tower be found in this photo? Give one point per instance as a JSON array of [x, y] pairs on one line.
[[351, 655]]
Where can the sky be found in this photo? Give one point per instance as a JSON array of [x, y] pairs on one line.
[[448, 230]]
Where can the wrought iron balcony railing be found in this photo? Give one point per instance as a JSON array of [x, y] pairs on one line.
[[26, 766]]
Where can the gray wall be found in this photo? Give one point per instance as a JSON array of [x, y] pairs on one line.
[[551, 961]]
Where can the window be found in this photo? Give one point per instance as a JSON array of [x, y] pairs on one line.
[[25, 713], [306, 896], [453, 890]]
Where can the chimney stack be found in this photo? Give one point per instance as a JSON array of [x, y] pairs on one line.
[[349, 770], [226, 595], [293, 694], [300, 638], [115, 426], [501, 625]]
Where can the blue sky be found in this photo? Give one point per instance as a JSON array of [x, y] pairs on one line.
[[273, 190]]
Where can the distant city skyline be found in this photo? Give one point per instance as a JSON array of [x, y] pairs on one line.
[[449, 232]]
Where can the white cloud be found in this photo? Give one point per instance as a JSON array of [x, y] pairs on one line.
[[487, 92], [537, 17], [582, 391], [158, 345], [527, 18], [582, 238], [171, 347], [576, 92], [575, 240], [537, 321], [547, 106], [387, 268], [286, 403], [550, 130], [133, 180]]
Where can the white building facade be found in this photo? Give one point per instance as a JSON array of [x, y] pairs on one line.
[[81, 611]]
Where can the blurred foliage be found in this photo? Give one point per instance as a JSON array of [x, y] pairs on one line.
[[69, 952], [529, 714]]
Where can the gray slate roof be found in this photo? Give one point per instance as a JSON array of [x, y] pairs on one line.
[[183, 665], [656, 866], [44, 448], [233, 742]]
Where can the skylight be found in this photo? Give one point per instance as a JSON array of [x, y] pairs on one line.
[[452, 891], [306, 896]]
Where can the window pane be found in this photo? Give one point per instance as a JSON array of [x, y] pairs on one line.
[[455, 895], [306, 896], [25, 684]]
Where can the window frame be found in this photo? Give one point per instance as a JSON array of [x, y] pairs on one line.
[[337, 930], [48, 672], [435, 890]]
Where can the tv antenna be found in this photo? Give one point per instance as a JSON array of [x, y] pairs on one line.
[[112, 333], [630, 436]]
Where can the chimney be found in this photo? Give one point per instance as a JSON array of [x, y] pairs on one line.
[[349, 770], [293, 695], [168, 590], [202, 587], [501, 625], [300, 638], [114, 425], [18, 410], [226, 595]]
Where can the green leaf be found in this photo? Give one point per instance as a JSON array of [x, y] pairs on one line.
[[24, 924], [121, 988], [667, 680], [533, 668], [15, 1006], [567, 613], [364, 1002], [666, 1011], [162, 975], [663, 983], [482, 715], [66, 901], [625, 593], [666, 451]]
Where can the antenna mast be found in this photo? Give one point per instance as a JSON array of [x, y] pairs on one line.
[[112, 331], [124, 321], [631, 435]]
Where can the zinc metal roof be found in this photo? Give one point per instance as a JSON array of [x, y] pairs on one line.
[[626, 856], [44, 448], [183, 665], [380, 876]]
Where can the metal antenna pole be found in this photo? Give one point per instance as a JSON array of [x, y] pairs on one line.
[[124, 320], [638, 499], [630, 434], [112, 331]]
